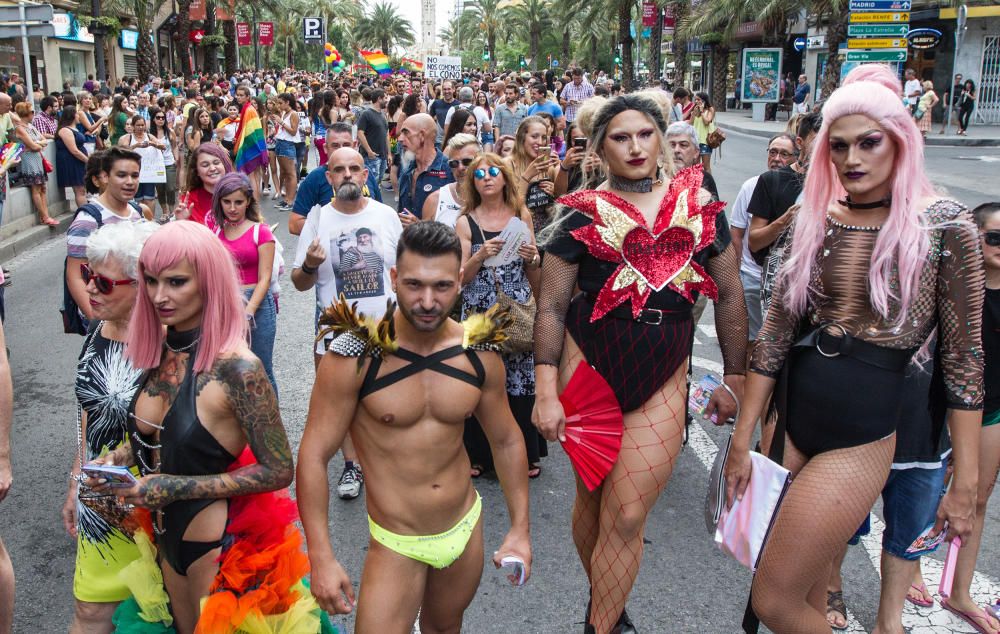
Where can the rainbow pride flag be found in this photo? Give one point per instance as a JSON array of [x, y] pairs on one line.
[[377, 60], [412, 64], [251, 150]]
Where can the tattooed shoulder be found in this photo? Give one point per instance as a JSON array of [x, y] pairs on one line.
[[247, 388]]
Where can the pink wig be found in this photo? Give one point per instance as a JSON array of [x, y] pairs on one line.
[[903, 241], [878, 73], [223, 324]]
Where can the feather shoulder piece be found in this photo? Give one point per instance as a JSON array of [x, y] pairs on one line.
[[486, 331], [358, 335]]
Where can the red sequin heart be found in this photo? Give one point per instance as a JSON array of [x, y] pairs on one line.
[[658, 259]]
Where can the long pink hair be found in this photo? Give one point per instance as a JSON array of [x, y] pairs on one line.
[[223, 324], [903, 241]]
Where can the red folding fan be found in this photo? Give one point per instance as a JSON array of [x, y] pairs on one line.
[[594, 425]]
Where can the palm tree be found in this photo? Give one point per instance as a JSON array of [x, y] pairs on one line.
[[596, 22], [142, 13], [492, 21], [623, 12], [462, 31], [563, 14], [385, 27], [183, 44], [533, 17]]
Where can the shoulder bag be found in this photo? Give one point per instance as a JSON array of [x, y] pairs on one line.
[[521, 331]]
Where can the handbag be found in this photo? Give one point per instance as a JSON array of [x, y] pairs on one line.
[[919, 114], [715, 138], [742, 529], [46, 165], [521, 331]]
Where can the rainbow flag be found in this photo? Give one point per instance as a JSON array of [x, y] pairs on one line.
[[251, 150], [377, 60], [413, 64]]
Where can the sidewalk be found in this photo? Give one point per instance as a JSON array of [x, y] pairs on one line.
[[740, 121]]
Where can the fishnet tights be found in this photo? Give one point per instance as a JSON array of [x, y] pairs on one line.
[[828, 499], [609, 522]]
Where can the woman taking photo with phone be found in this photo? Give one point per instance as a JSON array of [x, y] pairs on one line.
[[535, 164]]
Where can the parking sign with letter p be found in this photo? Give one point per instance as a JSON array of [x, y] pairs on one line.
[[312, 30]]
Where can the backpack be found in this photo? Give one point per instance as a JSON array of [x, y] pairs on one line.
[[73, 320]]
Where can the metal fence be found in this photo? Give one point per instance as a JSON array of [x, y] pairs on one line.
[[988, 97]]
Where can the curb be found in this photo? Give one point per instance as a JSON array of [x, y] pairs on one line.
[[932, 140], [22, 241]]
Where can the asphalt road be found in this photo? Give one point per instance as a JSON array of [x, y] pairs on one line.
[[684, 585]]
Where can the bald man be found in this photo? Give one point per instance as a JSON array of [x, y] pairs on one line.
[[348, 247], [425, 168]]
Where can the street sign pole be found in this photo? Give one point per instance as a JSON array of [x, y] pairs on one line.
[[29, 97]]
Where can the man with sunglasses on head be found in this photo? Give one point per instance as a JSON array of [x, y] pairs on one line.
[[119, 182], [347, 248]]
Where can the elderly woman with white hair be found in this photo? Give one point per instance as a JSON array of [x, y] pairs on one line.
[[105, 384]]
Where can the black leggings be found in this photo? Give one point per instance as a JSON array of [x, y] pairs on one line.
[[963, 118]]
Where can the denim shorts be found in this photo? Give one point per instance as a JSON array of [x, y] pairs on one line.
[[146, 191], [286, 148], [909, 502], [487, 138], [703, 147]]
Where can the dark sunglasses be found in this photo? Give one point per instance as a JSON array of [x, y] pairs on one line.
[[480, 173], [992, 238], [453, 163], [104, 285]]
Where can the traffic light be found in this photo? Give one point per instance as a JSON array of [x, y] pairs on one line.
[[521, 62], [618, 58], [486, 54]]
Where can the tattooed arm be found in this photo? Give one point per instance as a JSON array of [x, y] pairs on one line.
[[252, 402]]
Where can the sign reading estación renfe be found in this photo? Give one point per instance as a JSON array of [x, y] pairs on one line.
[[760, 75]]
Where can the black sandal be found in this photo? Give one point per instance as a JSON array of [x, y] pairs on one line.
[[476, 470], [835, 603], [537, 468]]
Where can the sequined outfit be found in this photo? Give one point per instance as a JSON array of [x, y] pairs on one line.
[[833, 396], [633, 319]]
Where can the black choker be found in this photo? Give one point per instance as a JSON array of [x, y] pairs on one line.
[[178, 341], [850, 204], [633, 185]]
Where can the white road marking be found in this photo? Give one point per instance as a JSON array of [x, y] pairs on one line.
[[932, 620], [709, 330]]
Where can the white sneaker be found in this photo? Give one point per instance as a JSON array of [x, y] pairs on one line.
[[350, 482], [276, 194]]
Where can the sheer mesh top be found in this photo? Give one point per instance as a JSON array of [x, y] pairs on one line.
[[950, 295]]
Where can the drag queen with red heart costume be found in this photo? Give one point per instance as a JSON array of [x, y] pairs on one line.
[[641, 248]]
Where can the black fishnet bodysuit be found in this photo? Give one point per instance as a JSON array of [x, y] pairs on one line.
[[608, 523], [833, 491]]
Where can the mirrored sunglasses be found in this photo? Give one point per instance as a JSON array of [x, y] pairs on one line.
[[480, 173]]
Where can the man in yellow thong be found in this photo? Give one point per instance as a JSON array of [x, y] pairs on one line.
[[404, 395]]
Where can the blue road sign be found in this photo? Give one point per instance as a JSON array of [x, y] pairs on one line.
[[799, 44], [555, 63], [880, 5]]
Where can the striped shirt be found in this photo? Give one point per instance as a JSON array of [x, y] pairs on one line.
[[572, 92], [84, 224]]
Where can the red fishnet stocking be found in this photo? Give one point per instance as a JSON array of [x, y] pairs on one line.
[[651, 442], [828, 499]]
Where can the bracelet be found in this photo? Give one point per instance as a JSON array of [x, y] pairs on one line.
[[308, 270], [563, 168]]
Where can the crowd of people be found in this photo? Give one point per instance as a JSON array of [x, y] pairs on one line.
[[545, 225]]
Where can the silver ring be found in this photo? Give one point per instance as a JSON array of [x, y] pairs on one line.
[[823, 328]]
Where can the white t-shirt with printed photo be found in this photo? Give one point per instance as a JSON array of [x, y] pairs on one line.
[[360, 250]]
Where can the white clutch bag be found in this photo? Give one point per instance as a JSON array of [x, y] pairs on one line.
[[742, 529]]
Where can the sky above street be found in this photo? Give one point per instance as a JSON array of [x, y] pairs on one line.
[[411, 10]]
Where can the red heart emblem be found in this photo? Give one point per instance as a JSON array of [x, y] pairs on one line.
[[658, 259]]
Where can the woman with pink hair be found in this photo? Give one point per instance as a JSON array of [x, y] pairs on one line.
[[877, 261], [205, 399]]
